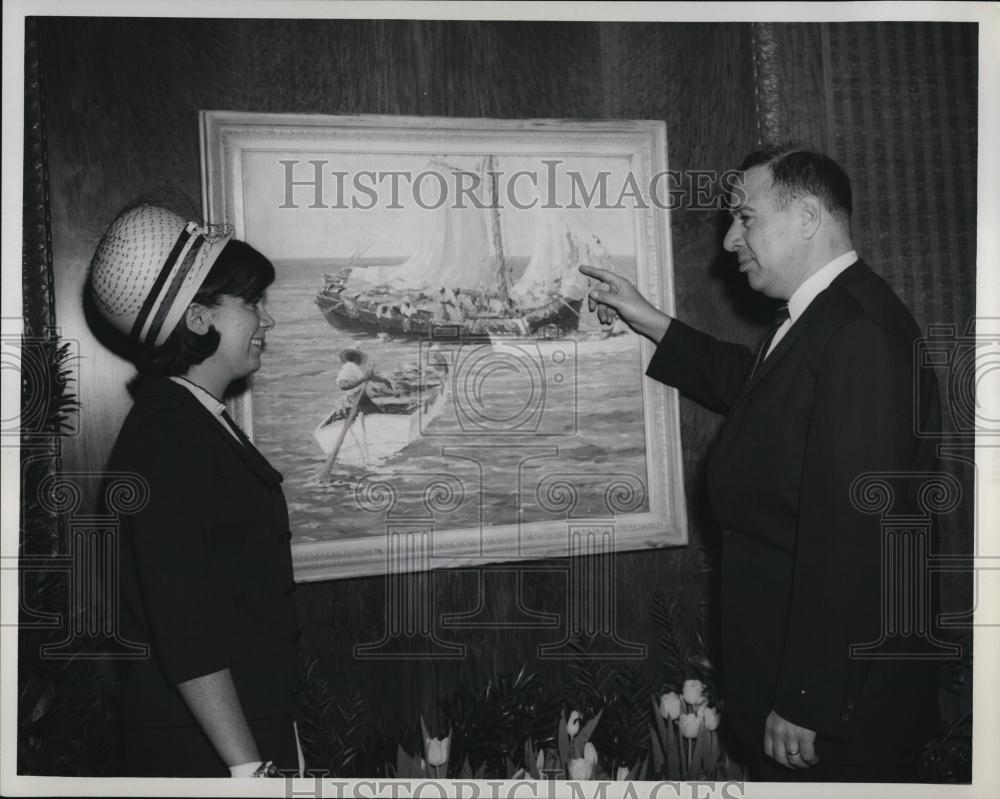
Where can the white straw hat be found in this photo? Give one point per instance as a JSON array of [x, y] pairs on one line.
[[345, 354], [147, 268]]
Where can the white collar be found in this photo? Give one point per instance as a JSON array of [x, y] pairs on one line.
[[817, 282], [208, 399], [205, 397]]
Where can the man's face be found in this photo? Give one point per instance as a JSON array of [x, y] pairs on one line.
[[766, 239]]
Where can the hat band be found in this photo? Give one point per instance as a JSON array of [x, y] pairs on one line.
[[161, 278], [167, 303]]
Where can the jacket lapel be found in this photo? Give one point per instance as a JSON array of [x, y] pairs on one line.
[[852, 274], [246, 452]]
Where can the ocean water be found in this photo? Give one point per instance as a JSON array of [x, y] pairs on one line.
[[529, 433]]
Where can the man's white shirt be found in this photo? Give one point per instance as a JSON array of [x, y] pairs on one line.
[[809, 291]]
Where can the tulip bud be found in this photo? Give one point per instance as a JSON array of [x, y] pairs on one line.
[[694, 692], [573, 725], [540, 761], [437, 751], [711, 718], [590, 753], [670, 706], [622, 774], [580, 769], [690, 725]]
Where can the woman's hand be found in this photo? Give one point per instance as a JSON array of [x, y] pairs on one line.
[[213, 702]]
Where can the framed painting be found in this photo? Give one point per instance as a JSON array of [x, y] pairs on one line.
[[435, 369]]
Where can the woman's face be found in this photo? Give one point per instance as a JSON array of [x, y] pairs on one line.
[[242, 326]]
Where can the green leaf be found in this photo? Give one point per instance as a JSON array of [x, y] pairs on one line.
[[564, 750], [657, 749], [586, 732], [673, 754]]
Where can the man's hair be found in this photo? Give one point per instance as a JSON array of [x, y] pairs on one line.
[[239, 271], [796, 170]]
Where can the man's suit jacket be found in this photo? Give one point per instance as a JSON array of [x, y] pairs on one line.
[[800, 563], [206, 563]]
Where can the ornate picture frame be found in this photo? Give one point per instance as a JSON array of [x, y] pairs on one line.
[[502, 421]]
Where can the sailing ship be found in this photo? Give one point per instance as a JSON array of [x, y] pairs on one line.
[[459, 277]]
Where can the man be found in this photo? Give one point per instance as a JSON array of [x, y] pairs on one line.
[[407, 311], [829, 398], [466, 306], [353, 380]]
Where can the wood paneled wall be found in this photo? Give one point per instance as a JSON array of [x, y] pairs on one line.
[[122, 98]]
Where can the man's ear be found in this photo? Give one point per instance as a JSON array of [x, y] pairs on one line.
[[199, 318], [810, 215]]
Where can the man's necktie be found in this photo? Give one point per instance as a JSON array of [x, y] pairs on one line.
[[780, 317]]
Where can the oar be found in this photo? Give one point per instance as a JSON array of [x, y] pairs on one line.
[[328, 466], [563, 301]]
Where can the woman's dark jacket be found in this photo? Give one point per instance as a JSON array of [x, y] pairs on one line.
[[205, 564]]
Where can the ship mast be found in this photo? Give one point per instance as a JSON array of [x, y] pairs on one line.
[[503, 272]]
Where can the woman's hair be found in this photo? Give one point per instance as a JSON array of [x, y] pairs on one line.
[[239, 271]]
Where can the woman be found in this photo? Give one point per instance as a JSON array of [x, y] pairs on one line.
[[206, 563]]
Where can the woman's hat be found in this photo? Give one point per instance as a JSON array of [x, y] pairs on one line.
[[345, 354], [147, 268]]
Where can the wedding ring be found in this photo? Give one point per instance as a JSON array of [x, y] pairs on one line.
[[792, 754]]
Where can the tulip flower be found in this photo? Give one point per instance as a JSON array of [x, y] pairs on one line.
[[580, 769], [694, 692], [670, 706], [437, 751], [573, 725], [590, 753], [690, 725], [622, 774], [711, 718]]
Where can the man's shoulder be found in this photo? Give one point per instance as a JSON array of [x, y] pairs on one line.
[[860, 295]]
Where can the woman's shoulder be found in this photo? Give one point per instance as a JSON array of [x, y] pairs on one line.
[[164, 417]]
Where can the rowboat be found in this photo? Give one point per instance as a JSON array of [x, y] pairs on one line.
[[374, 438]]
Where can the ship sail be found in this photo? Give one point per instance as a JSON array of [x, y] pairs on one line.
[[562, 243], [455, 250]]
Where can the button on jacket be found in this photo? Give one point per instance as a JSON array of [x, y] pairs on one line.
[[205, 564]]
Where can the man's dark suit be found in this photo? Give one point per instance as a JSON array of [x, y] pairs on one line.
[[800, 564]]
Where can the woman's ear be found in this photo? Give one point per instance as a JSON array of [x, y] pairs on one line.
[[199, 318]]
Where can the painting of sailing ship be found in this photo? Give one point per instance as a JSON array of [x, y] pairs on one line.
[[459, 275], [490, 392]]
